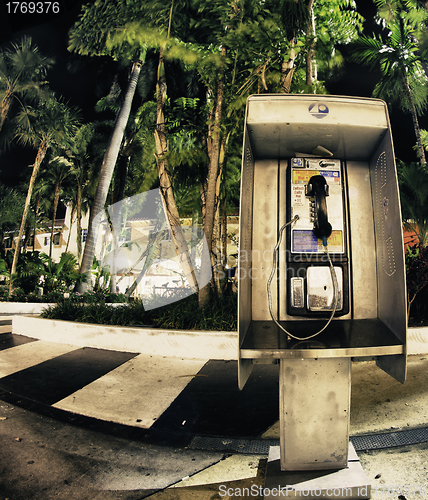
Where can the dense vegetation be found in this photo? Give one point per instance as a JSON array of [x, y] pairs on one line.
[[173, 82], [182, 315]]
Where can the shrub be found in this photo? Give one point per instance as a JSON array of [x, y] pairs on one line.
[[221, 314]]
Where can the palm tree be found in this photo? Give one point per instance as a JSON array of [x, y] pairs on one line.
[[403, 78], [58, 171], [22, 75], [107, 168], [80, 170], [51, 123], [89, 36]]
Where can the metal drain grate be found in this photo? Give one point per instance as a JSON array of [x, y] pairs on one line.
[[261, 446], [253, 447], [390, 439]]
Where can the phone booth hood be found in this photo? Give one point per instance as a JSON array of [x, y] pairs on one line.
[[357, 132]]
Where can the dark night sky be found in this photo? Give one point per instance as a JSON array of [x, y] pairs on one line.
[[50, 34]]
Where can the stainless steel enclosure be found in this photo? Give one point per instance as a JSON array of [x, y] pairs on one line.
[[357, 132]]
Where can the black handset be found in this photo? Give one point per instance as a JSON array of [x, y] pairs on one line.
[[317, 188]]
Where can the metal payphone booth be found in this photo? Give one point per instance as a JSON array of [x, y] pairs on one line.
[[321, 264]]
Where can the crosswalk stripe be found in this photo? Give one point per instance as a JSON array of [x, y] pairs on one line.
[[58, 377], [24, 356], [136, 393]]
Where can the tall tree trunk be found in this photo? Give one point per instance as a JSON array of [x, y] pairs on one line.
[[287, 69], [55, 208], [79, 220], [220, 254], [72, 215], [27, 236], [4, 108], [310, 57], [203, 192], [41, 152], [115, 226], [165, 181], [36, 214], [106, 173], [213, 169], [416, 127]]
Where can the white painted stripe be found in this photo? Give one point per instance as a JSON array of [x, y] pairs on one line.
[[5, 328], [25, 355], [136, 393], [234, 468]]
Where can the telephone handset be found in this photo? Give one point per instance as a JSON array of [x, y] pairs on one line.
[[318, 188], [316, 195]]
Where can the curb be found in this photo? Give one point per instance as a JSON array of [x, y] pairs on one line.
[[194, 344], [10, 308], [191, 344]]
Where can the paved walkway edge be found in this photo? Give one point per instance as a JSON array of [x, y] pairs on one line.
[[175, 343], [172, 343]]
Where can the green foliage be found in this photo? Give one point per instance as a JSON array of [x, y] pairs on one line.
[[28, 271], [400, 61], [221, 314], [413, 181], [23, 72], [60, 297], [416, 272], [97, 23], [11, 202], [61, 276], [35, 270], [101, 277], [53, 123]]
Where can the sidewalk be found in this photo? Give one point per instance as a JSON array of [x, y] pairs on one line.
[[195, 406]]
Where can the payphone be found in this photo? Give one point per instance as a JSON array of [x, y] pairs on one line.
[[317, 198], [316, 238], [321, 262]]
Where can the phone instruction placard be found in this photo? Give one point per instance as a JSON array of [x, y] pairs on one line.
[[303, 239]]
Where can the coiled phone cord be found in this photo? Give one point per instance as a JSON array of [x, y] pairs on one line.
[[274, 268]]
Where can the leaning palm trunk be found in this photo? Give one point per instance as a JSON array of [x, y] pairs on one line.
[[165, 182], [107, 169], [39, 158], [417, 129]]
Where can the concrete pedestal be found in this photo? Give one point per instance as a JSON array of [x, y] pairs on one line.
[[315, 400], [343, 484]]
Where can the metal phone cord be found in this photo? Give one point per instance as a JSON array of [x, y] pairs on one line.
[[274, 268]]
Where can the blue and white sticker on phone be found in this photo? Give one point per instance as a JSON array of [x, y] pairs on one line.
[[304, 241], [331, 176]]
